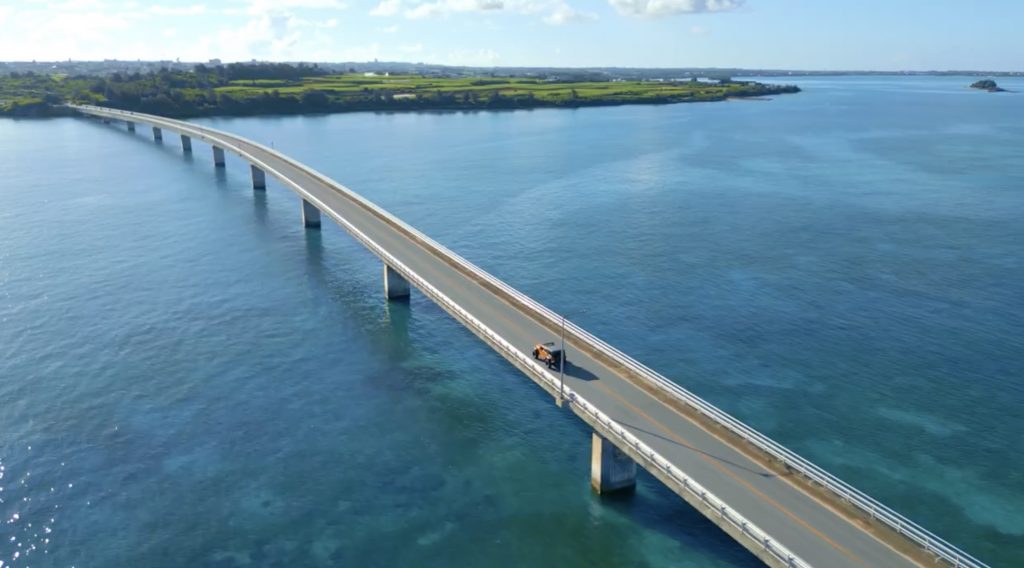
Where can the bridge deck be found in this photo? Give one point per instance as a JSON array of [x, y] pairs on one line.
[[803, 524]]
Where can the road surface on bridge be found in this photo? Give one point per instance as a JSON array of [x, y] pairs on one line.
[[806, 525]]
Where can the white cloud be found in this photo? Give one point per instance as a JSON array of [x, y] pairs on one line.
[[193, 10], [387, 8], [698, 31], [75, 5], [284, 4], [83, 29], [659, 8], [257, 7], [390, 29], [555, 12], [126, 29], [271, 35], [445, 7], [273, 31], [565, 14]]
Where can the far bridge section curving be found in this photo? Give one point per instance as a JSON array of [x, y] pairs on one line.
[[784, 509]]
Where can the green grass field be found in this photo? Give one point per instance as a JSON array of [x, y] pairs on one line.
[[184, 94], [342, 86]]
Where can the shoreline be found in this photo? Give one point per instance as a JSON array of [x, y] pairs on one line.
[[48, 110], [261, 90]]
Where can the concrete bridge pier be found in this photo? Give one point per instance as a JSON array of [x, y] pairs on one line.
[[218, 157], [310, 215], [186, 144], [131, 126], [259, 181], [395, 285], [158, 134], [610, 468]]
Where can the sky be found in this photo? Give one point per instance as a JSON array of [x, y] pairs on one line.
[[756, 34]]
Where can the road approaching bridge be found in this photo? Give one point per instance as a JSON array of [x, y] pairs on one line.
[[785, 510]]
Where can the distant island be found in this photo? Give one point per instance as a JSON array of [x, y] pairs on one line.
[[247, 89], [104, 67], [987, 85]]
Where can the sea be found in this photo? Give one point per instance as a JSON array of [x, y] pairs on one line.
[[188, 377]]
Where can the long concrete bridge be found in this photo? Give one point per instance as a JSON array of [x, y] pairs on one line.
[[782, 508]]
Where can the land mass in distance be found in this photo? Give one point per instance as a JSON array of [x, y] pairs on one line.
[[247, 89], [988, 85]]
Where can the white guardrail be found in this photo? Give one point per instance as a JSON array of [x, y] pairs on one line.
[[876, 510]]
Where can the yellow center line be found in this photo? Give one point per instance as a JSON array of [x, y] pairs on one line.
[[711, 461], [733, 475], [686, 442], [714, 462]]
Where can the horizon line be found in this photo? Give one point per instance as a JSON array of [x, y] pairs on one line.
[[537, 67]]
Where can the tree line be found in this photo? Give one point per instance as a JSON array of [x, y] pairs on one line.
[[278, 88]]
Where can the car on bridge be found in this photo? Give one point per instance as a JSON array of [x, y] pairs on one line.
[[547, 353]]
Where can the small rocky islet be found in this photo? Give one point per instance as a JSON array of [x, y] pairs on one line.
[[987, 85]]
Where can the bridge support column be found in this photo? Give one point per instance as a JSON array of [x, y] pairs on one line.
[[395, 285], [218, 157], [157, 134], [186, 144], [131, 126], [259, 181], [310, 215], [610, 468]]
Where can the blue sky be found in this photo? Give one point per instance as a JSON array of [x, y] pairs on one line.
[[793, 34]]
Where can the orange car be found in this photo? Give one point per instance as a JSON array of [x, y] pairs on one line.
[[547, 353]]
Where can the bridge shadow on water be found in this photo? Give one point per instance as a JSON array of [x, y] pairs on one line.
[[314, 245], [259, 202], [392, 328], [221, 177], [655, 507], [398, 315], [651, 505]]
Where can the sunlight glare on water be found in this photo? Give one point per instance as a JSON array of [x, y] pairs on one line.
[[203, 382]]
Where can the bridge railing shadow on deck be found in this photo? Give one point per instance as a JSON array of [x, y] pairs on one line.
[[788, 459]]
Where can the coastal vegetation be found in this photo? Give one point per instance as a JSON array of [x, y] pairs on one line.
[[269, 88]]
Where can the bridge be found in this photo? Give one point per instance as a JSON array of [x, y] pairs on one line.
[[782, 508]]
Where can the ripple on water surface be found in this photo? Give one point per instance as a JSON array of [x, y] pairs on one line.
[[202, 382]]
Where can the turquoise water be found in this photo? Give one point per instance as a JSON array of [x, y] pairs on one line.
[[187, 377]]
